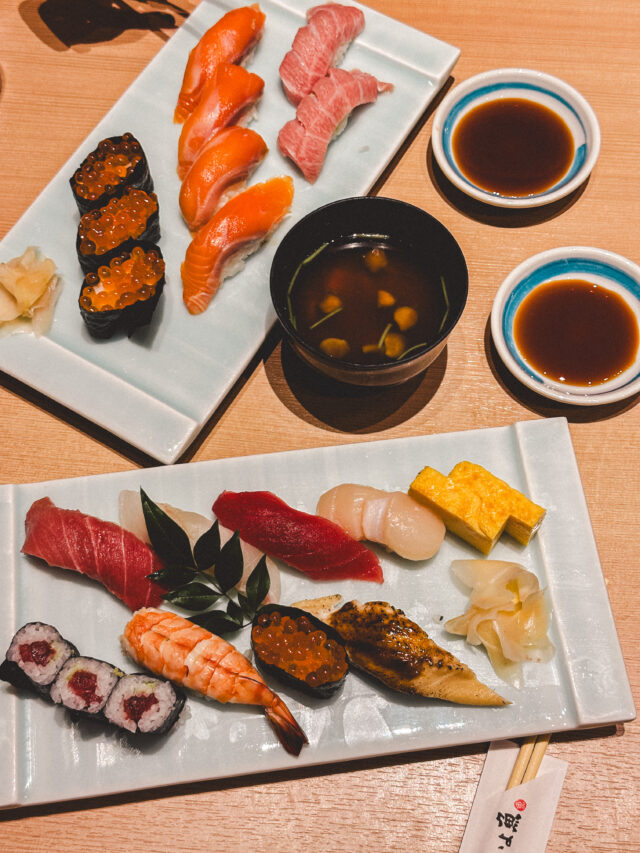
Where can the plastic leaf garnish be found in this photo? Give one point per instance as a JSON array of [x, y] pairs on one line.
[[199, 578]]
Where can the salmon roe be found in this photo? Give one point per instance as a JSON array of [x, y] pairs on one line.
[[296, 646], [107, 167], [130, 277], [121, 219]]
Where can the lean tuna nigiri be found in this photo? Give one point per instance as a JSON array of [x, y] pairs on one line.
[[322, 114], [311, 544], [225, 162], [226, 98], [183, 652], [228, 40], [317, 46], [70, 539], [391, 518], [237, 229]]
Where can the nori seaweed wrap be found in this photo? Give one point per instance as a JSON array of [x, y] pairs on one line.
[[123, 295], [299, 650], [143, 704], [117, 163], [107, 231], [35, 656]]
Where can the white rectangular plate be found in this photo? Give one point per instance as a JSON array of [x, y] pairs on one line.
[[158, 389], [45, 757]]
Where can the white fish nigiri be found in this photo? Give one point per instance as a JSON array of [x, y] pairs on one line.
[[391, 518], [194, 525]]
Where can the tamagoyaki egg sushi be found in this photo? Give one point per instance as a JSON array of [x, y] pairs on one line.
[[116, 163], [123, 294], [35, 656], [105, 232]]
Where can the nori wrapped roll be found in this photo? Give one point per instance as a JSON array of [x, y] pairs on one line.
[[143, 704], [117, 163], [123, 295], [35, 656], [107, 231], [84, 684]]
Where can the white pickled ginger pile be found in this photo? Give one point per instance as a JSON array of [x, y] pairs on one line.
[[29, 288], [508, 614]]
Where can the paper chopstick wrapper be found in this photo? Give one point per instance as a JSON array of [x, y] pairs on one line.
[[518, 820]]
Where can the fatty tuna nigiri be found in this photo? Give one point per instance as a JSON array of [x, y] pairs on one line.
[[224, 162], [311, 544], [322, 114], [391, 518], [183, 652], [70, 539], [228, 40], [317, 46], [226, 98], [237, 229]]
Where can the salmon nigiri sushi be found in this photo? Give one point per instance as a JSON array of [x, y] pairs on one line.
[[224, 163], [185, 653], [226, 99], [228, 40], [237, 229]]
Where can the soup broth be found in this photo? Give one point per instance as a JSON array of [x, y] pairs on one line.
[[362, 300]]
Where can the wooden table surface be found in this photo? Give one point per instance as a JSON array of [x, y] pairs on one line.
[[63, 63]]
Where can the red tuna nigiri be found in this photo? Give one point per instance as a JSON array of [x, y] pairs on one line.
[[309, 543], [317, 46], [224, 162], [228, 40], [305, 138], [106, 552], [226, 98], [237, 229]]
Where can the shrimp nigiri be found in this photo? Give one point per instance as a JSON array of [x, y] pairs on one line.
[[226, 98], [391, 518], [228, 40], [223, 164], [185, 653], [238, 228]]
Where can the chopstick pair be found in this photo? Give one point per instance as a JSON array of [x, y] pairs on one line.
[[528, 760]]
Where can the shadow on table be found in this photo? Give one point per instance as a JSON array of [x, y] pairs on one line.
[[61, 24], [339, 407], [542, 405]]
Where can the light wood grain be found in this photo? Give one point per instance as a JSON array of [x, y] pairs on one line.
[[51, 96]]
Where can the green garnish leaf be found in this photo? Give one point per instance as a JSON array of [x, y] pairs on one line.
[[193, 596], [216, 621], [172, 576], [168, 539], [235, 611], [207, 549], [229, 565], [258, 584]]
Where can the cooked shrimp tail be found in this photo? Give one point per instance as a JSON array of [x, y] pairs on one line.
[[285, 727]]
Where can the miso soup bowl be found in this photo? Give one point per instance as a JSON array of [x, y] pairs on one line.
[[425, 241]]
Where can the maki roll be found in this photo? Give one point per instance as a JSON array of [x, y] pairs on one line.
[[107, 231], [142, 704], [84, 684], [124, 293], [117, 163], [35, 656]]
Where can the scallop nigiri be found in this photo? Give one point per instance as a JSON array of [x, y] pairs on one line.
[[224, 163], [236, 230], [317, 46], [183, 652], [226, 99], [322, 114], [228, 40], [390, 518]]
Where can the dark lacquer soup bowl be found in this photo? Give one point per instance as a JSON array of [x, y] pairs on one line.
[[369, 289]]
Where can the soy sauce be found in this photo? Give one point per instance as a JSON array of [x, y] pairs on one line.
[[576, 332], [513, 147]]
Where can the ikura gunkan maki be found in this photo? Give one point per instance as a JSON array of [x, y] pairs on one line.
[[39, 658], [123, 294], [117, 163], [105, 232], [35, 657]]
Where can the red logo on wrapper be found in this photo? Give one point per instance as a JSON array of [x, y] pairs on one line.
[[520, 805]]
